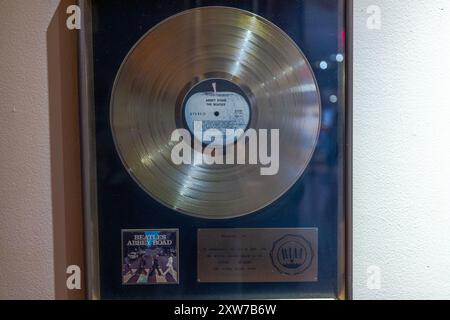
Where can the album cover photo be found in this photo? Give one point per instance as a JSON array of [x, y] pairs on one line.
[[150, 257]]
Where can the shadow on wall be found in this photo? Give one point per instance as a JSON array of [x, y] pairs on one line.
[[65, 151]]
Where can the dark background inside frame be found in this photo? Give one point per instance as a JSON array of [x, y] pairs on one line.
[[312, 202]]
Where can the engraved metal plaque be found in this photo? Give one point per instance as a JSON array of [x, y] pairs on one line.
[[257, 255]]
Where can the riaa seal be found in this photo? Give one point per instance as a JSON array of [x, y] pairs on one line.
[[292, 254]]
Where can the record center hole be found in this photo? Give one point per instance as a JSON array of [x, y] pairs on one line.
[[217, 113]]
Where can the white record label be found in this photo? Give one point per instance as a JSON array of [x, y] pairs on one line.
[[216, 110]]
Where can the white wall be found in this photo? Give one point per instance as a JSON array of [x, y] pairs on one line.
[[402, 149], [26, 241]]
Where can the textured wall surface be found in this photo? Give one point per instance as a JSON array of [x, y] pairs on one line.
[[26, 241], [402, 149]]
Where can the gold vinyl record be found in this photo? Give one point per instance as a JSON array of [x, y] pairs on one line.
[[259, 67]]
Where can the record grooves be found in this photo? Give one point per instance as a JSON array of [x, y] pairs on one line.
[[238, 48]]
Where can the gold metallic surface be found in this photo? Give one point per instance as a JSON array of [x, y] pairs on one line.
[[214, 42]]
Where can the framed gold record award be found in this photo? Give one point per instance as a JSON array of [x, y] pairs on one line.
[[216, 148]]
